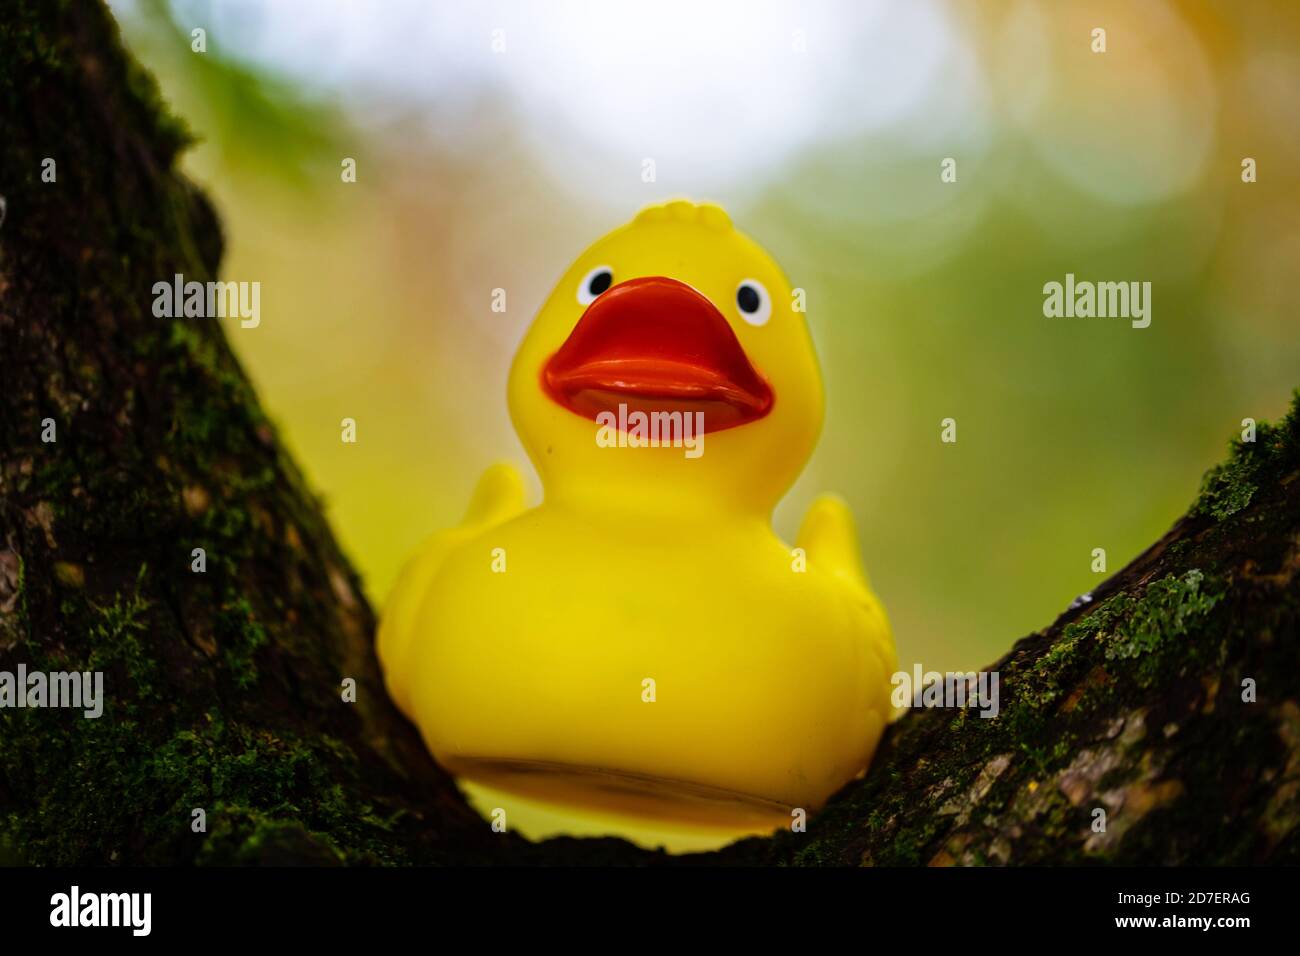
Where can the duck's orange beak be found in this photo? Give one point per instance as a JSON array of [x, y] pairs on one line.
[[656, 344]]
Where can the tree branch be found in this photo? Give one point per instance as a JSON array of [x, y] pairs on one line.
[[224, 688]]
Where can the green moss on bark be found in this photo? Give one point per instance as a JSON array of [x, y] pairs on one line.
[[1135, 703], [1228, 488], [224, 688]]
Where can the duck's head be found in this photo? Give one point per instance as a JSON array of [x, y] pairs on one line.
[[675, 312]]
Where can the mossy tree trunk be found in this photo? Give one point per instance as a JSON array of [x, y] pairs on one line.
[[224, 688], [1165, 704]]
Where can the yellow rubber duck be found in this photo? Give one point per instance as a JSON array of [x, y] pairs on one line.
[[640, 649]]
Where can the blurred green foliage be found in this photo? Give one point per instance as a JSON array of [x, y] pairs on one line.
[[925, 297]]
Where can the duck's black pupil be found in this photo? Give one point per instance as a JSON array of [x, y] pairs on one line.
[[747, 298], [600, 282]]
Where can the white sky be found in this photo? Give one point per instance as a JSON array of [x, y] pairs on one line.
[[715, 91]]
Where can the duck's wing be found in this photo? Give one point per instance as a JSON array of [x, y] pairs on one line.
[[830, 542], [498, 497]]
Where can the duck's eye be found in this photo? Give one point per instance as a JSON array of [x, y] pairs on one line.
[[594, 283], [753, 301]]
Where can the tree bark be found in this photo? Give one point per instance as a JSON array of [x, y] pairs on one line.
[[1162, 705], [224, 688]]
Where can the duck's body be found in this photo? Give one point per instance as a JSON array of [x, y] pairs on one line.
[[642, 643]]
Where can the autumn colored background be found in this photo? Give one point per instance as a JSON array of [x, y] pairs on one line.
[[821, 127]]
